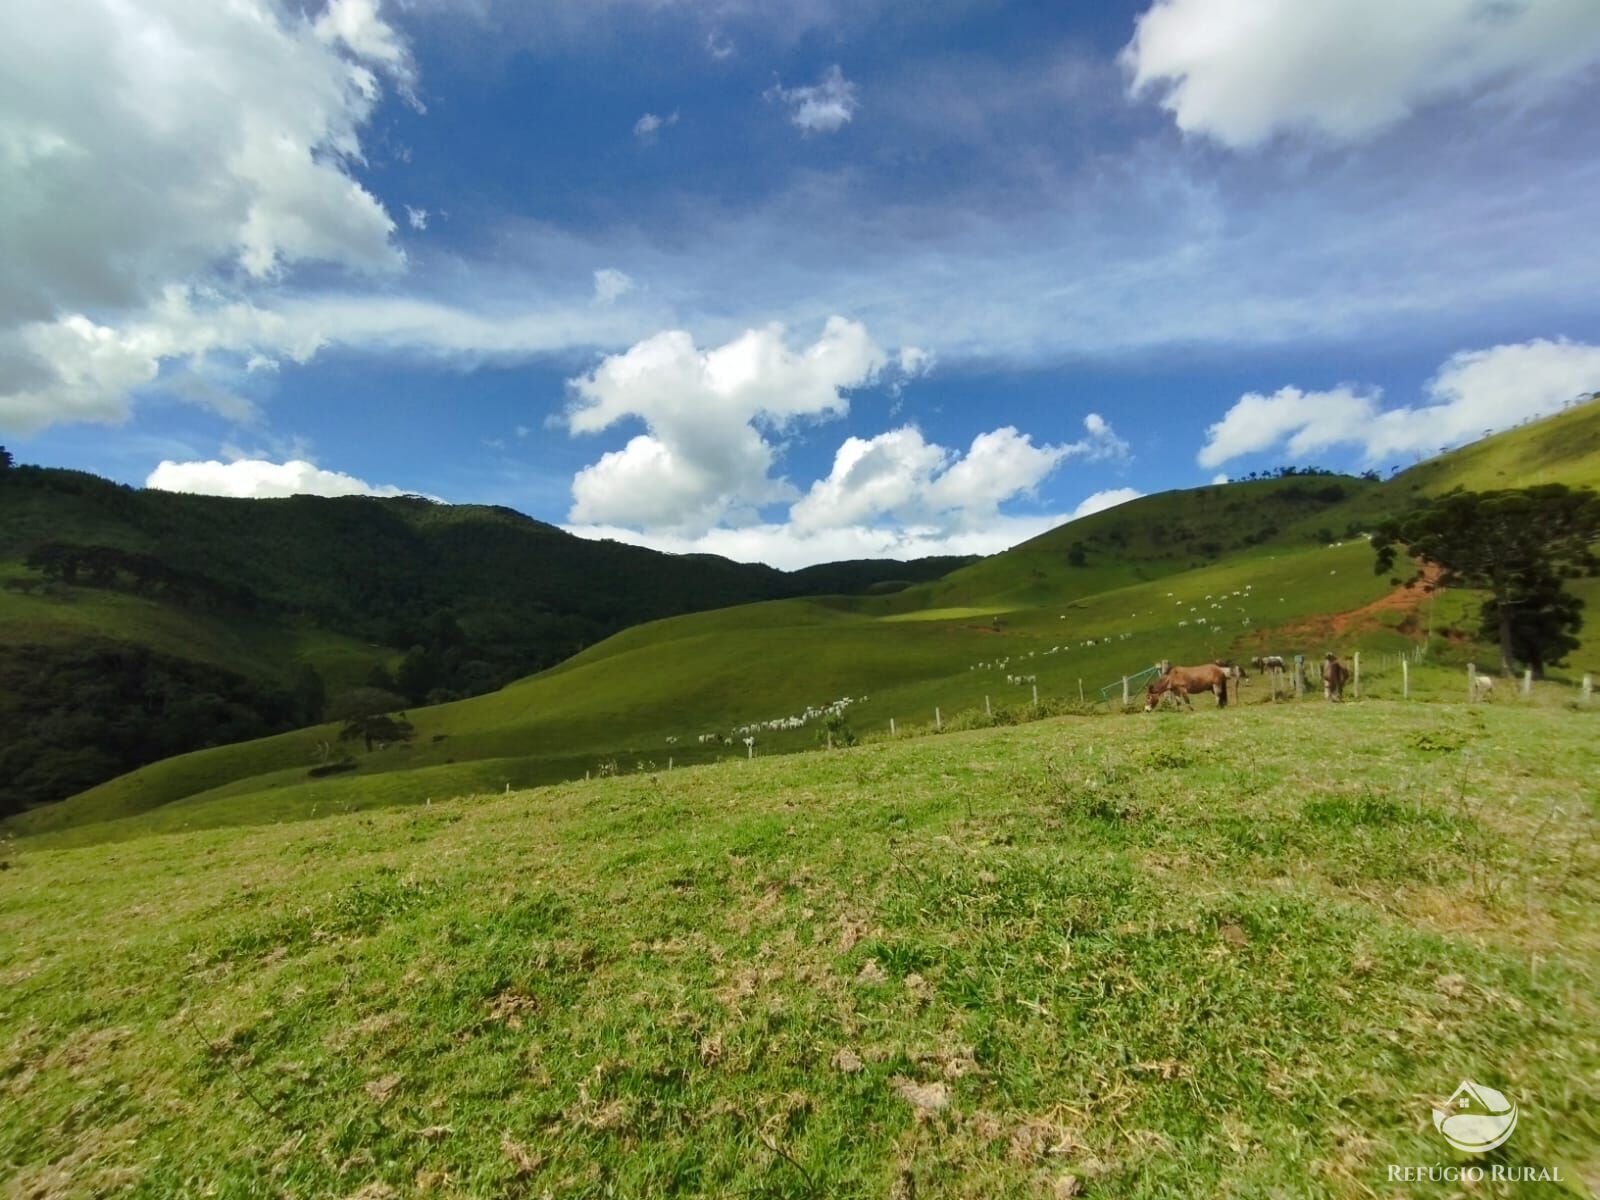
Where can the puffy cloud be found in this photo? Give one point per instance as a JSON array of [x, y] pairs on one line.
[[1000, 464], [158, 165], [901, 475], [885, 475], [703, 458], [1241, 71], [790, 546], [1474, 392], [1100, 501], [154, 140], [648, 127], [257, 479], [357, 25], [74, 369], [611, 284], [1306, 421], [1479, 391], [823, 107]]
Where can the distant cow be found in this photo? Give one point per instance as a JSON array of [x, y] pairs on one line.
[[1269, 663], [1482, 686], [1334, 675]]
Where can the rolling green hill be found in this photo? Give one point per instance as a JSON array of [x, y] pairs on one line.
[[1274, 566], [195, 621], [655, 691]]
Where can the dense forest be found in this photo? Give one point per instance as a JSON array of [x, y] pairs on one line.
[[455, 600]]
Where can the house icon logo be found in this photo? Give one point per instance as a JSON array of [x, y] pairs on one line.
[[1476, 1118]]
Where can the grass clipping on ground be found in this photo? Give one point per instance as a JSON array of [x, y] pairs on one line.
[[1220, 953]]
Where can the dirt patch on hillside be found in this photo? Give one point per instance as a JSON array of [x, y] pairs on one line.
[[1406, 599]]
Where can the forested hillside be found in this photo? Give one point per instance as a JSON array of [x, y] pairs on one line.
[[139, 624]]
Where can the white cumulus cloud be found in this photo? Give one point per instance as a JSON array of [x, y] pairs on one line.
[[152, 149], [145, 141], [1241, 71], [259, 479], [1473, 393], [826, 106], [901, 475], [705, 457], [1304, 422]]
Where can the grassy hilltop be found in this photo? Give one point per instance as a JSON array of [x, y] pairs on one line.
[[1234, 953]]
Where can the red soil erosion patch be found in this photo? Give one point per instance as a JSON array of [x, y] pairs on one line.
[[1406, 599]]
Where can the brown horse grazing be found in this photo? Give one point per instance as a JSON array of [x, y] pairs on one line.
[[1183, 682]]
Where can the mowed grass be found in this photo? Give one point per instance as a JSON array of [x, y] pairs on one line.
[[1215, 954]]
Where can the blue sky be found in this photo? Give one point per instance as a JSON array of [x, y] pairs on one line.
[[794, 282]]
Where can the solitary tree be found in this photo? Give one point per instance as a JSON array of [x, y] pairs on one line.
[[6, 460], [1519, 545], [381, 728], [1542, 625], [363, 702], [370, 715]]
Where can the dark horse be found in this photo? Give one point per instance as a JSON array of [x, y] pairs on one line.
[[1184, 681], [1334, 676]]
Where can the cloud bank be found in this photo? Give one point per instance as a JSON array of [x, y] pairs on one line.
[[258, 479], [1243, 71], [1473, 393]]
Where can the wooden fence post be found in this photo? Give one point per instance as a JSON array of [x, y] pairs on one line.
[[891, 726], [987, 711], [1588, 687], [1405, 679], [1527, 681], [1124, 691], [1080, 691], [1357, 679], [1036, 695], [1472, 681], [938, 721], [1299, 676]]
